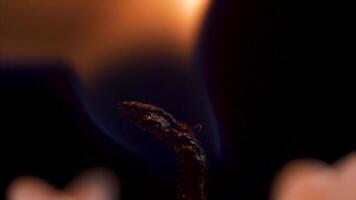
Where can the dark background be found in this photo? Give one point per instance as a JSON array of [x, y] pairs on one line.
[[275, 98]]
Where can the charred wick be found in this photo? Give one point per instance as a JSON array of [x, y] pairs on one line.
[[180, 138]]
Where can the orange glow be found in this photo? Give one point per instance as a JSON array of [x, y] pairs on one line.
[[92, 33], [314, 180], [138, 28], [95, 184]]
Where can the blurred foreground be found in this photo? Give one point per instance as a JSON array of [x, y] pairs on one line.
[[95, 184], [300, 180], [313, 180]]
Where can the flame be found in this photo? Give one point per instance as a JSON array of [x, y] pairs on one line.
[[140, 29], [190, 6], [92, 33]]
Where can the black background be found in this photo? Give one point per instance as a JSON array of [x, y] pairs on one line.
[[266, 68], [277, 75]]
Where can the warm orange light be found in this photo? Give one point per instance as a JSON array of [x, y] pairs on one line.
[[136, 29], [91, 33], [190, 7]]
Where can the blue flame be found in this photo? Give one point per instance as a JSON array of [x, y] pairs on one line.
[[162, 83]]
